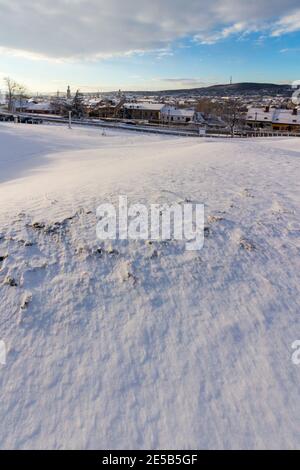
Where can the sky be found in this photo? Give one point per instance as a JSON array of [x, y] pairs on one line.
[[103, 45]]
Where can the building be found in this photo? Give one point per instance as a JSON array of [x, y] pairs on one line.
[[20, 105], [43, 107], [104, 108], [172, 115], [32, 106], [284, 120], [143, 111]]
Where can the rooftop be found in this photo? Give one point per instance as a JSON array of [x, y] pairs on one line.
[[145, 106], [280, 116]]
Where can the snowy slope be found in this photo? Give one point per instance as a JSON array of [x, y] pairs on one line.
[[138, 345]]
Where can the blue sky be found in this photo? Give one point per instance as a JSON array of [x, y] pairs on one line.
[[111, 44]]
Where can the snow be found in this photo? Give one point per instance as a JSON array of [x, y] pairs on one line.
[[42, 106], [136, 345], [170, 110], [276, 116], [145, 106]]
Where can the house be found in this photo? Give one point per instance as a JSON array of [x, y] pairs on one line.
[[209, 120], [42, 107], [285, 120], [214, 122], [31, 106], [20, 105], [143, 111], [105, 108], [172, 115]]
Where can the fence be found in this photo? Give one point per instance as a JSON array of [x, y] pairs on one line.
[[150, 128]]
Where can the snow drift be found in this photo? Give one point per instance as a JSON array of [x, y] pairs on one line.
[[145, 345]]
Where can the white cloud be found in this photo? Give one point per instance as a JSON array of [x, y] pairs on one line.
[[95, 29], [290, 49], [27, 54], [183, 82], [213, 37], [288, 24]]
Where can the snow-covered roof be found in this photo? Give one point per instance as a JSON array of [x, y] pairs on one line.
[[286, 117], [170, 111], [94, 101], [21, 103], [275, 116], [100, 103], [42, 106], [145, 106]]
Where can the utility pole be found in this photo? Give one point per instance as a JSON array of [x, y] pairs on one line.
[[255, 124]]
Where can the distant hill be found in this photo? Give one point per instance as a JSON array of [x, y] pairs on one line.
[[236, 89]]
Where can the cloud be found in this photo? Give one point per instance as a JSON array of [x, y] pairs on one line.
[[213, 37], [183, 82], [288, 24], [290, 49], [27, 54], [96, 29]]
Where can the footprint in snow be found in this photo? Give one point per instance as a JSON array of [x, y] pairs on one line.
[[3, 258], [26, 301], [10, 281], [212, 219], [246, 193], [126, 273], [247, 245]]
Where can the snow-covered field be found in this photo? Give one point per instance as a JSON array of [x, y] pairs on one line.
[[138, 345]]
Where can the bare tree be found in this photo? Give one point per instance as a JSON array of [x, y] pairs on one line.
[[207, 106], [233, 114], [11, 86], [14, 91]]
